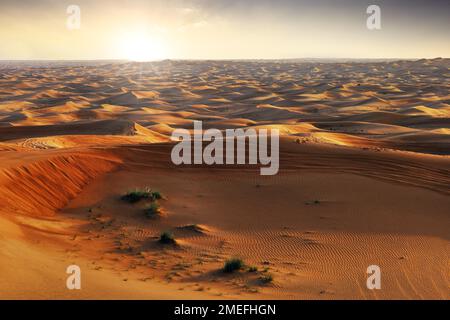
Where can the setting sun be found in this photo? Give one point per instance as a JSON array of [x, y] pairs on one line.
[[140, 47]]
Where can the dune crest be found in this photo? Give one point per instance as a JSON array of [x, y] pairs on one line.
[[39, 188]]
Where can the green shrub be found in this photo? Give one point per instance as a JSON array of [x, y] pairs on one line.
[[233, 265], [156, 195], [137, 195], [252, 269], [142, 194], [267, 278], [167, 238], [153, 210]]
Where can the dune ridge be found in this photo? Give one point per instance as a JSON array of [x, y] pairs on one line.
[[40, 188]]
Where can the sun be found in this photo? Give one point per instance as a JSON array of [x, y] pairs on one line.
[[140, 47]]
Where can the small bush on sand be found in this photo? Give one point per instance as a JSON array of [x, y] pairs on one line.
[[167, 238], [142, 194], [137, 195], [156, 195], [233, 265], [154, 210], [267, 278], [252, 269]]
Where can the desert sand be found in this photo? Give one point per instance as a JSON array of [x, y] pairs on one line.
[[364, 180]]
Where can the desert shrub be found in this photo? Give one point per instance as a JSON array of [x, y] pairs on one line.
[[167, 238], [252, 269], [142, 194], [233, 265], [137, 195], [267, 278], [156, 195], [153, 210]]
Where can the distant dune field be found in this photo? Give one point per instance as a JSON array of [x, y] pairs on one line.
[[364, 180]]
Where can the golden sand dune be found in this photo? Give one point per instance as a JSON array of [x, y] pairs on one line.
[[364, 179], [433, 112], [304, 236], [105, 127], [401, 94], [62, 177]]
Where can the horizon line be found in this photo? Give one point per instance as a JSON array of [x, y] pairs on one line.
[[217, 59]]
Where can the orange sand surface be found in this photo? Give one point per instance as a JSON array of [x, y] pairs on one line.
[[364, 180]]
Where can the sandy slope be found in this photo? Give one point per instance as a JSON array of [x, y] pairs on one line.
[[331, 213], [348, 195]]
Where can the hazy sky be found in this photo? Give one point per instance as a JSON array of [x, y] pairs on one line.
[[223, 29]]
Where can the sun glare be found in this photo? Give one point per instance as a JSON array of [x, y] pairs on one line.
[[141, 47]]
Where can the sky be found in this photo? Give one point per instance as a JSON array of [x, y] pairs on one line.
[[222, 29]]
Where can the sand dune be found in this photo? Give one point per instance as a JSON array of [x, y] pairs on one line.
[[106, 127], [49, 183], [364, 179], [325, 217]]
